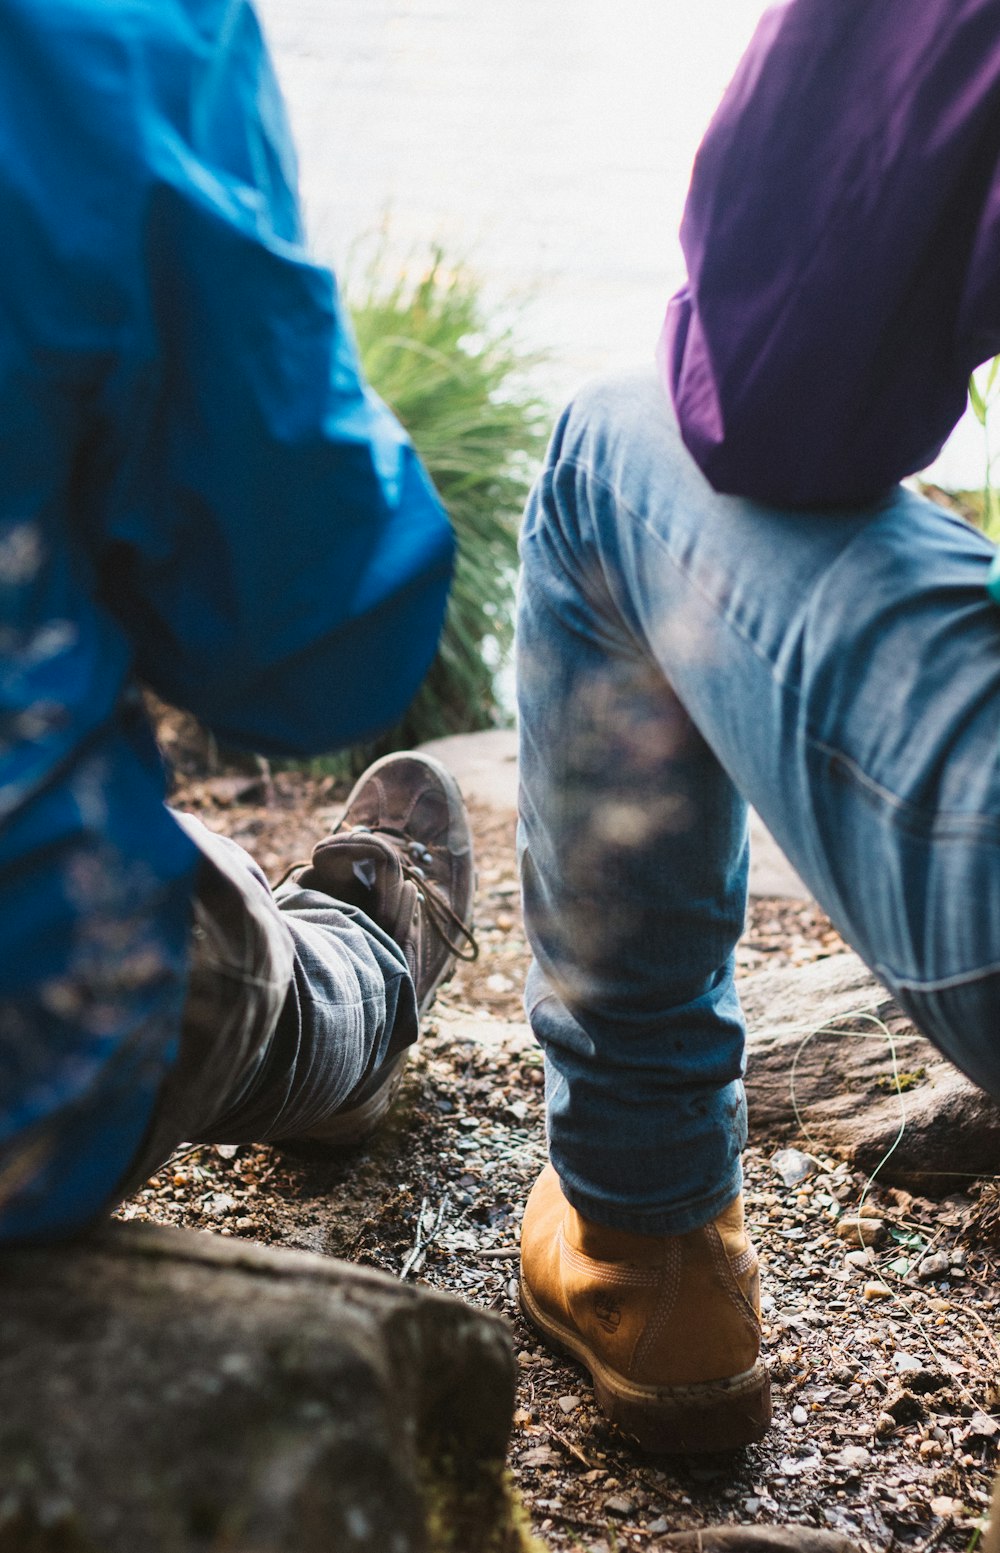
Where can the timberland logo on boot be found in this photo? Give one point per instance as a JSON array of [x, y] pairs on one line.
[[607, 1314]]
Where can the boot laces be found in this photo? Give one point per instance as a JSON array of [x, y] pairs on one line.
[[440, 914]]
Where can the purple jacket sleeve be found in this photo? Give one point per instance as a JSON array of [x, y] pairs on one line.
[[842, 237]]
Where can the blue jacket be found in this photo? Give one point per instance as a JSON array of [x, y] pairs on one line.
[[195, 488]]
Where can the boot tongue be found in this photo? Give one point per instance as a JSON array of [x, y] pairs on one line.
[[363, 870]]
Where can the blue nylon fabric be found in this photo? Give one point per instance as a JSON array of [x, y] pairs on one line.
[[195, 486], [842, 238]]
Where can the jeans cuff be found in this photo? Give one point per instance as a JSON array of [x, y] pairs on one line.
[[668, 1219]]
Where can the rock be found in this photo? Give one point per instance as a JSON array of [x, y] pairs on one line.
[[853, 1458], [771, 874], [864, 1232], [926, 1382], [793, 1166], [937, 1265], [906, 1364], [620, 1505], [859, 1259], [799, 1415], [876, 1290], [539, 1456], [484, 765], [757, 1539], [569, 1404], [843, 1078], [982, 1427], [168, 1390], [905, 1408]]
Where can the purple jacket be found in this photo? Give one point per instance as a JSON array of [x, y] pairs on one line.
[[842, 237]]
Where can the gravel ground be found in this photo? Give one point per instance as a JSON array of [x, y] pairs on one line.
[[884, 1359]]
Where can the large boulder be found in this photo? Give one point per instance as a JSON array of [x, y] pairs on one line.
[[833, 1063], [178, 1392]]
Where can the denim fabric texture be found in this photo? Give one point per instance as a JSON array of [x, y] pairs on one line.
[[682, 653]]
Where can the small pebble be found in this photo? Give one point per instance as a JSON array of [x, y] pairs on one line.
[[620, 1505], [905, 1364], [852, 1458], [539, 1456], [569, 1404], [877, 1291], [943, 1505], [659, 1526], [937, 1265], [799, 1415], [859, 1258], [866, 1231]]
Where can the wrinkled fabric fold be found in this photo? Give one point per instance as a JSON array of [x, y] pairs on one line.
[[842, 240]]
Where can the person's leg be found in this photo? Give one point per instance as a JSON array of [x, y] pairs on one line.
[[679, 653], [301, 1003]]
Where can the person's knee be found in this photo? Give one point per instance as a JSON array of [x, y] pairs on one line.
[[610, 415]]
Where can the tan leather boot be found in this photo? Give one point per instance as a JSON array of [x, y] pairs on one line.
[[668, 1326]]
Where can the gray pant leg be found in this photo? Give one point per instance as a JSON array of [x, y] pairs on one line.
[[294, 1000]]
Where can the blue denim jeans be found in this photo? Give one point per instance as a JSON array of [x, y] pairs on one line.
[[681, 654]]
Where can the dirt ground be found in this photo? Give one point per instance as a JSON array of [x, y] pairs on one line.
[[885, 1374]]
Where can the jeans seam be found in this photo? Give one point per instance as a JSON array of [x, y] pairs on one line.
[[941, 984], [928, 821], [962, 826]]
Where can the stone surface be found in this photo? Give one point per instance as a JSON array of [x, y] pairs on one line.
[[180, 1393], [771, 874], [758, 1539], [485, 766], [820, 1071]]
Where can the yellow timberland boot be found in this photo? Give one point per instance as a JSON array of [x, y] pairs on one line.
[[667, 1325]]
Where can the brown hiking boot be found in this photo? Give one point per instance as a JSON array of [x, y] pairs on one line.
[[402, 853], [668, 1326]]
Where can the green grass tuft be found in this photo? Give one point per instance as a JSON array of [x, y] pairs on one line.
[[456, 378]]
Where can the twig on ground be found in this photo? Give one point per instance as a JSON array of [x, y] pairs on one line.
[[423, 1238], [182, 1155], [573, 1450]]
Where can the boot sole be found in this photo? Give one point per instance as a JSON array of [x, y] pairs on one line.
[[718, 1415]]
